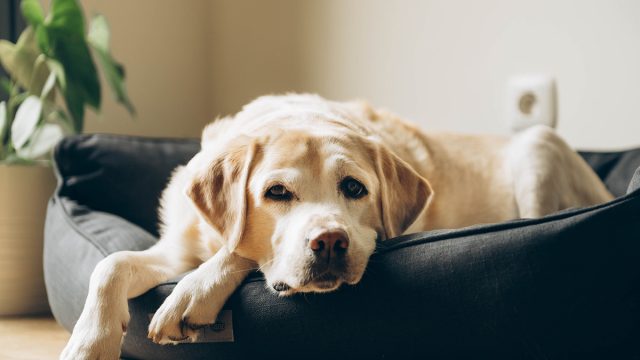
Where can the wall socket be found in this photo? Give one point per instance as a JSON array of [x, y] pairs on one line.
[[531, 100]]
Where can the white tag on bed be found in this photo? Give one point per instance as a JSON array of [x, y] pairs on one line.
[[220, 331]]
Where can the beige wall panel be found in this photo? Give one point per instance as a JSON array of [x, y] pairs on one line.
[[164, 45]]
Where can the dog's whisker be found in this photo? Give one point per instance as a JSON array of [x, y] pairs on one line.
[[261, 267], [243, 270]]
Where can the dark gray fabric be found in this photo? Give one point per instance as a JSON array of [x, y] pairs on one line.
[[614, 168], [635, 182], [76, 239], [102, 180], [564, 286], [120, 175]]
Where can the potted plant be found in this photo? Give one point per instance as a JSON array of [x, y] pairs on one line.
[[52, 79]]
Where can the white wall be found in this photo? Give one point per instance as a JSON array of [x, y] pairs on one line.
[[442, 63]]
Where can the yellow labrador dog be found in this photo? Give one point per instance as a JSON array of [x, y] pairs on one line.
[[301, 188]]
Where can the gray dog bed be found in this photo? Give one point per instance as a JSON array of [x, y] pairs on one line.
[[564, 286]]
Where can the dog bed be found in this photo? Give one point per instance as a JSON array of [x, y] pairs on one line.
[[563, 286]]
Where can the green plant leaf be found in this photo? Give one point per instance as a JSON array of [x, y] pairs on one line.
[[42, 38], [80, 71], [66, 16], [3, 117], [73, 100], [18, 98], [62, 38], [98, 38], [65, 32], [3, 124], [32, 12], [19, 60], [75, 105], [57, 68], [48, 86], [99, 34], [54, 55], [43, 140], [7, 55], [5, 85], [25, 121], [39, 76]]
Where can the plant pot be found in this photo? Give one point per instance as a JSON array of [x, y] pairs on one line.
[[24, 193]]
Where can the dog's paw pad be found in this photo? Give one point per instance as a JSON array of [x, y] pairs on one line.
[[171, 332]]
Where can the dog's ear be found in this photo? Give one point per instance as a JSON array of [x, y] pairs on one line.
[[404, 194], [220, 191]]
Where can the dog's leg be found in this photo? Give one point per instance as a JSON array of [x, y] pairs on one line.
[[549, 176], [118, 277], [198, 298]]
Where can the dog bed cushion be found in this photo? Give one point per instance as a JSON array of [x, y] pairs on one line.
[[563, 286]]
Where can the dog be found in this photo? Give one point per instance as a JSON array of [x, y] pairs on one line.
[[302, 188]]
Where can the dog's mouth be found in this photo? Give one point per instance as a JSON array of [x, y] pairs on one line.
[[322, 283], [326, 281]]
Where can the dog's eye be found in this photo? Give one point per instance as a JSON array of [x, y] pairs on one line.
[[353, 188], [279, 193]]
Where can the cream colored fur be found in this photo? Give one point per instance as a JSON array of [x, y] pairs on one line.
[[217, 220]]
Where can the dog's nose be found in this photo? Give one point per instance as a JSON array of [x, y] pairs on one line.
[[330, 243]]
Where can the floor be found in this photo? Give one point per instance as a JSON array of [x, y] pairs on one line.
[[31, 338]]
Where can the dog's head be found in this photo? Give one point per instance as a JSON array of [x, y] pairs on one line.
[[307, 208]]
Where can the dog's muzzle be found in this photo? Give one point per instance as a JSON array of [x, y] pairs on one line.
[[329, 257], [327, 251]]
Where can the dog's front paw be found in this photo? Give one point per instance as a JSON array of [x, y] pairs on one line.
[[188, 309], [91, 340]]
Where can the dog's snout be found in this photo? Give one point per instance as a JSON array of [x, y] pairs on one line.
[[329, 243]]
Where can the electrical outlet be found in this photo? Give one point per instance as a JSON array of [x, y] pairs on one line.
[[531, 100]]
